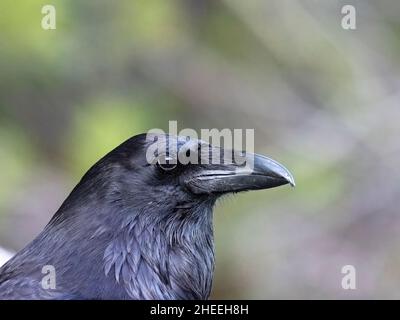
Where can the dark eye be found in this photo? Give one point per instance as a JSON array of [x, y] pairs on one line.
[[167, 163]]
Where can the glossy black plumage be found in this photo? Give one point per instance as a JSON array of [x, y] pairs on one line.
[[131, 230]]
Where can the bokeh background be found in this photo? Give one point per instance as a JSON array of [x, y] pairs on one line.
[[322, 100]]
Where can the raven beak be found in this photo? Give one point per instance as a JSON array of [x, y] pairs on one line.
[[259, 172]]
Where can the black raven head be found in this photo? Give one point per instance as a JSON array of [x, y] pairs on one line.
[[139, 223], [174, 170]]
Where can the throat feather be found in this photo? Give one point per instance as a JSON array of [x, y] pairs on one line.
[[170, 258]]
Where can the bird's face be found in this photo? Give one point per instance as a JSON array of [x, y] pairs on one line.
[[191, 170]]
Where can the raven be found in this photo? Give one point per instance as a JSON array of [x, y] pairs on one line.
[[134, 228]]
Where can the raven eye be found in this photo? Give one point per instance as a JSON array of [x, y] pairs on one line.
[[167, 163]]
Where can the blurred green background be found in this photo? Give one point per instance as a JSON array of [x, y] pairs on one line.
[[322, 100]]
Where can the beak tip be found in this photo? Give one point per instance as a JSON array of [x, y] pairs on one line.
[[270, 167], [290, 179]]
